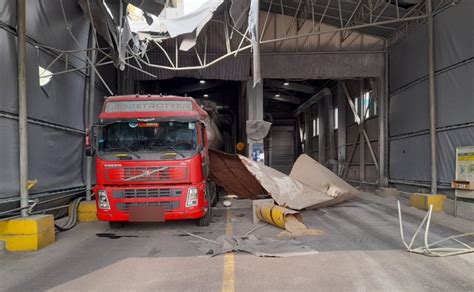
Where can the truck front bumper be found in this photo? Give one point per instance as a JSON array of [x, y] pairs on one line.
[[170, 215], [122, 198]]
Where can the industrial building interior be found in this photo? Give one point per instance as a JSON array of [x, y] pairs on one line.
[[367, 114]]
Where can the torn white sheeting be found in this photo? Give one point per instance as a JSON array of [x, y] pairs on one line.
[[189, 40], [257, 129], [309, 185], [254, 36], [124, 38], [192, 21]]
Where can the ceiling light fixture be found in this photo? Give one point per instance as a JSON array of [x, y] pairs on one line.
[[286, 83], [202, 81], [206, 95], [277, 95]]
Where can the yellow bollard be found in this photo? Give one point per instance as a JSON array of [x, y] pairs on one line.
[[273, 214]]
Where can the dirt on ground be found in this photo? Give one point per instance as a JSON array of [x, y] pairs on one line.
[[294, 227]]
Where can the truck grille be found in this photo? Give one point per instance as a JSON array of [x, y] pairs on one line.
[[146, 193], [167, 205], [134, 174]]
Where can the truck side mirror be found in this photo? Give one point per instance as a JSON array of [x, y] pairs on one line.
[[89, 150], [91, 134]]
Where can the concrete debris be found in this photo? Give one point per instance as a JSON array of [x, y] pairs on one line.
[[251, 244], [226, 203]]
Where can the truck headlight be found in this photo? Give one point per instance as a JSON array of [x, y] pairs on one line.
[[192, 199], [103, 200]]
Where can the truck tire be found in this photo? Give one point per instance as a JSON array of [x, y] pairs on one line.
[[206, 219], [116, 224], [215, 195]]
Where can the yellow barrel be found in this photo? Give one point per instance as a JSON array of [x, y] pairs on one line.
[[274, 215]]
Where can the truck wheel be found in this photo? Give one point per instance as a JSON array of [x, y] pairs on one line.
[[206, 219], [116, 224], [215, 195]]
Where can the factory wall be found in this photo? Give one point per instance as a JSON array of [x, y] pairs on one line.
[[56, 124], [409, 140]]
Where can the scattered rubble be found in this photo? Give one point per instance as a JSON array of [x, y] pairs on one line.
[[251, 244], [294, 227]]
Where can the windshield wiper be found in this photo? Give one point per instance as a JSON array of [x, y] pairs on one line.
[[174, 149], [126, 149]]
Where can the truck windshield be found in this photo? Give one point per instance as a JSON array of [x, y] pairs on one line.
[[149, 140]]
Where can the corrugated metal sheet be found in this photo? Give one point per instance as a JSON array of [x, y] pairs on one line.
[[323, 66], [231, 68], [297, 65]]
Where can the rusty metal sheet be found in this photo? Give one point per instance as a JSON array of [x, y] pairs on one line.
[[146, 214], [229, 172]]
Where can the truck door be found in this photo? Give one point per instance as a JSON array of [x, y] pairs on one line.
[[204, 150]]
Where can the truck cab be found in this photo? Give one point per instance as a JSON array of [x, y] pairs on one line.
[[151, 160]]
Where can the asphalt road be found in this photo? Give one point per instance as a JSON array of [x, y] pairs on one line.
[[359, 249]]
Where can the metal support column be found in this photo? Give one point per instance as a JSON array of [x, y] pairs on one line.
[[341, 131], [22, 106], [330, 126], [90, 111], [382, 101], [322, 131], [434, 170], [361, 129], [383, 124], [308, 132], [254, 110]]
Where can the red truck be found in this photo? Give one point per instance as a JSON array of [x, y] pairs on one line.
[[152, 160]]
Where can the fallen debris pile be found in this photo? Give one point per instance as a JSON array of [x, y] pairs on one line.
[[309, 185], [251, 244]]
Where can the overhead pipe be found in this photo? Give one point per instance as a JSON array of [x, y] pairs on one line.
[[22, 106]]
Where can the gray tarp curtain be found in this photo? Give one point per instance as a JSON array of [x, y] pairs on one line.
[[55, 155], [409, 101]]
